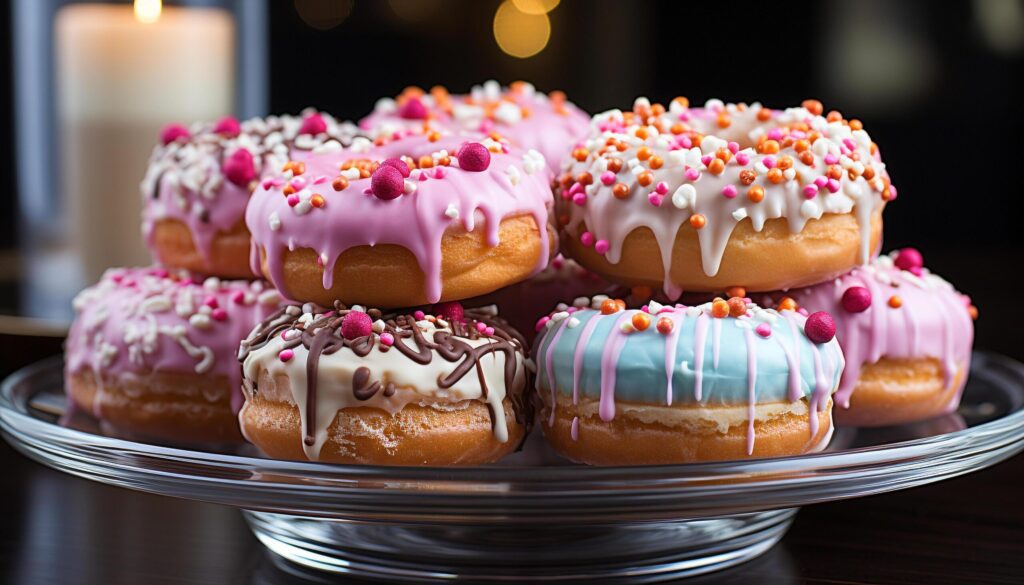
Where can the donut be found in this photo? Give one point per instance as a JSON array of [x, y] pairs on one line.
[[907, 336], [529, 119], [355, 385], [703, 199], [153, 353], [422, 219], [675, 384], [199, 179]]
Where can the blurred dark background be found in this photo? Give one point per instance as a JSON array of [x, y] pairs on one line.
[[937, 86]]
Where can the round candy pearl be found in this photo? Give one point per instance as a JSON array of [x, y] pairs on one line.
[[387, 182], [172, 132], [239, 168], [400, 165], [356, 324], [450, 311], [908, 259], [856, 299], [313, 124], [474, 157], [228, 126], [412, 109], [820, 328]]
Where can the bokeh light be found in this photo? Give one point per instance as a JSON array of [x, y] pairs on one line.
[[518, 33], [535, 6], [147, 11], [323, 14]]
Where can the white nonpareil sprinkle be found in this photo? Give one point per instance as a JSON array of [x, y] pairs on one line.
[[573, 323], [740, 214], [275, 221], [684, 196], [513, 175], [452, 212], [408, 187]]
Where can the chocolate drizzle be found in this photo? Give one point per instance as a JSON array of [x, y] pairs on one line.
[[321, 335]]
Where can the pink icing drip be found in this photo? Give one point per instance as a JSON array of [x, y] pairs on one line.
[[574, 431], [751, 388], [716, 333], [670, 353], [698, 355], [550, 363], [577, 357], [609, 361]]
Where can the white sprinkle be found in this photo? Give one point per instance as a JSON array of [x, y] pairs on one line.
[[684, 196], [627, 327], [580, 302], [199, 321], [452, 212], [513, 175], [275, 221], [740, 214], [409, 187], [573, 323], [302, 208], [810, 209]]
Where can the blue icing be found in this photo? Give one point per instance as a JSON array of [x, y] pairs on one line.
[[641, 373]]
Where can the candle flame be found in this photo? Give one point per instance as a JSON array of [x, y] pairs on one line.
[[148, 11]]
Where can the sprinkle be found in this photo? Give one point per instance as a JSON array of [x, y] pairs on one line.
[[787, 304], [275, 221], [665, 325], [833, 186], [810, 191], [692, 174], [719, 308], [313, 124], [219, 314], [756, 193], [607, 178], [286, 355], [655, 199], [641, 321], [895, 301], [317, 200], [627, 327], [541, 323], [729, 191], [740, 214], [481, 326], [451, 212], [737, 307], [609, 306], [174, 132], [601, 247], [418, 315], [819, 327], [339, 183], [587, 239], [293, 200], [661, 188], [580, 198], [697, 221], [764, 330], [856, 299], [386, 339], [684, 196], [620, 191], [908, 259], [736, 291], [474, 157], [387, 182]]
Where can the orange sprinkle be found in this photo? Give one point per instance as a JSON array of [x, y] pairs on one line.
[[716, 167], [834, 116], [288, 190], [641, 133], [719, 308], [787, 304], [813, 106], [835, 172], [736, 291], [697, 221], [434, 136], [615, 164], [895, 301], [775, 175], [655, 162], [580, 154], [339, 183], [665, 325], [584, 178], [856, 125], [737, 307], [643, 153], [756, 193], [971, 310], [785, 162], [317, 200], [296, 167], [657, 109], [747, 177], [869, 173], [444, 161], [364, 173], [682, 101], [609, 306], [807, 157], [620, 190], [641, 321], [646, 178], [621, 304], [764, 114], [768, 147], [724, 154], [676, 128], [724, 121]]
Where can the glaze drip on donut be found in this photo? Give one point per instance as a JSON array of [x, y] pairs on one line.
[[202, 177], [529, 119], [669, 355], [143, 321], [710, 168], [894, 312], [437, 359], [326, 202]]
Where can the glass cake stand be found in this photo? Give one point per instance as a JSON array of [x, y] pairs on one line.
[[534, 515]]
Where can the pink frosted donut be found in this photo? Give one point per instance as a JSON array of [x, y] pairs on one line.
[[728, 195], [153, 352], [199, 179], [527, 118], [907, 337], [418, 220]]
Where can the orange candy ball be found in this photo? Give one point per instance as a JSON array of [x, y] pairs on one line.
[[665, 325], [697, 221], [719, 308], [641, 321], [737, 307], [609, 306]]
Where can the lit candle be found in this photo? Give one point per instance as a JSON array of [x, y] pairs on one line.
[[123, 73]]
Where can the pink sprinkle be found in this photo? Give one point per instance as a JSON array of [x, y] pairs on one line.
[[481, 326], [439, 173], [313, 124], [418, 315], [474, 157], [387, 182], [356, 324], [856, 299], [293, 200], [172, 132], [692, 174], [775, 134], [729, 191], [769, 161], [541, 323], [228, 126], [267, 183], [810, 191], [849, 143], [386, 339], [489, 331], [742, 159], [706, 159], [734, 147], [892, 192], [685, 141], [764, 330], [908, 258], [655, 199], [423, 176], [821, 181], [413, 109], [211, 301], [833, 186], [286, 355], [831, 159], [587, 239], [607, 177], [238, 297], [399, 164], [219, 314], [298, 183], [580, 199], [601, 247], [576, 188], [819, 327], [320, 180], [661, 188]]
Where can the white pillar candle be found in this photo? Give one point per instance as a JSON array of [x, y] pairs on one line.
[[121, 76]]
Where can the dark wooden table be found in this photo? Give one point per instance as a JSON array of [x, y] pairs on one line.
[[57, 529]]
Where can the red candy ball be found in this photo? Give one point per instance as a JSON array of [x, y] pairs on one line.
[[450, 311], [239, 168], [356, 324], [819, 327], [413, 109], [398, 164], [856, 299], [474, 157], [909, 259], [228, 126], [387, 182], [313, 124], [172, 132]]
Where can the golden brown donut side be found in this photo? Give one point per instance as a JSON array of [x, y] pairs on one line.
[[771, 259], [389, 276], [174, 247], [165, 406], [893, 391]]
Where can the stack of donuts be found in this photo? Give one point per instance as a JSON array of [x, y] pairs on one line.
[[355, 293]]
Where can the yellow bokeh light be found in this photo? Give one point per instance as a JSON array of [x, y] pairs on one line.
[[148, 11], [520, 34], [535, 6]]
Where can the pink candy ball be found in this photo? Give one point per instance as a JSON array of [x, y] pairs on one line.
[[450, 311], [474, 157], [856, 299], [399, 164], [240, 168], [820, 328], [387, 182], [228, 126], [172, 132], [356, 324], [313, 124], [412, 109], [909, 259]]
